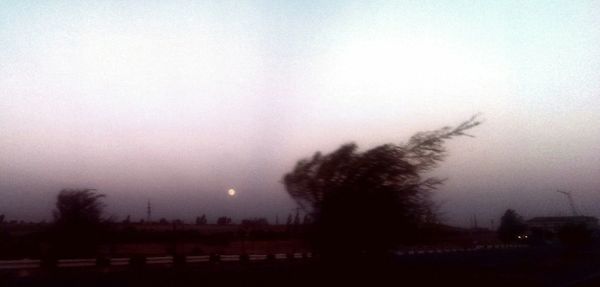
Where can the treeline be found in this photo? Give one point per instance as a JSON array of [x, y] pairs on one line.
[[80, 228]]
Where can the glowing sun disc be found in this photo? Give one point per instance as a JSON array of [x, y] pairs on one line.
[[231, 192]]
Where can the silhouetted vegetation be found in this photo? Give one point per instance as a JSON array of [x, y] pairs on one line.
[[511, 226], [79, 209], [371, 201], [223, 220], [201, 220], [79, 224]]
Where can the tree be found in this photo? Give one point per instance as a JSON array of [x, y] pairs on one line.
[[370, 201], [511, 226], [79, 209], [201, 220], [78, 221]]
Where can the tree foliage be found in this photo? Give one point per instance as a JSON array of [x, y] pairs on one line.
[[511, 226], [370, 200], [79, 224], [79, 209]]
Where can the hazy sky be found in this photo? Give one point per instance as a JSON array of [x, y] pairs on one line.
[[177, 101]]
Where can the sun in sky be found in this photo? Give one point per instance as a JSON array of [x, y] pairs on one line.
[[231, 192]]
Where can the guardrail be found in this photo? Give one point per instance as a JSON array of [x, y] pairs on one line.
[[141, 260], [213, 258], [421, 251], [20, 264]]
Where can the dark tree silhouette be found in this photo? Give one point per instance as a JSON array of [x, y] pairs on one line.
[[370, 201], [78, 221], [79, 209], [201, 220], [511, 226]]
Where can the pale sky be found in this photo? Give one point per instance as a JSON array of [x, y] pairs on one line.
[[177, 101]]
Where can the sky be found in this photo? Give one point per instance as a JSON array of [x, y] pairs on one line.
[[176, 102]]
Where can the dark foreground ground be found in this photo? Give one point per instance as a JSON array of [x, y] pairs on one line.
[[534, 266]]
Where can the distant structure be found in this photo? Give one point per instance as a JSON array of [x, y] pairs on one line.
[[571, 202], [555, 223], [148, 212]]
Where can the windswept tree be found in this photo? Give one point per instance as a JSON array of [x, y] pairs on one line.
[[370, 201], [79, 208], [78, 220]]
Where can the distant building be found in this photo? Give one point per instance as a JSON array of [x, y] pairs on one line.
[[555, 223]]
